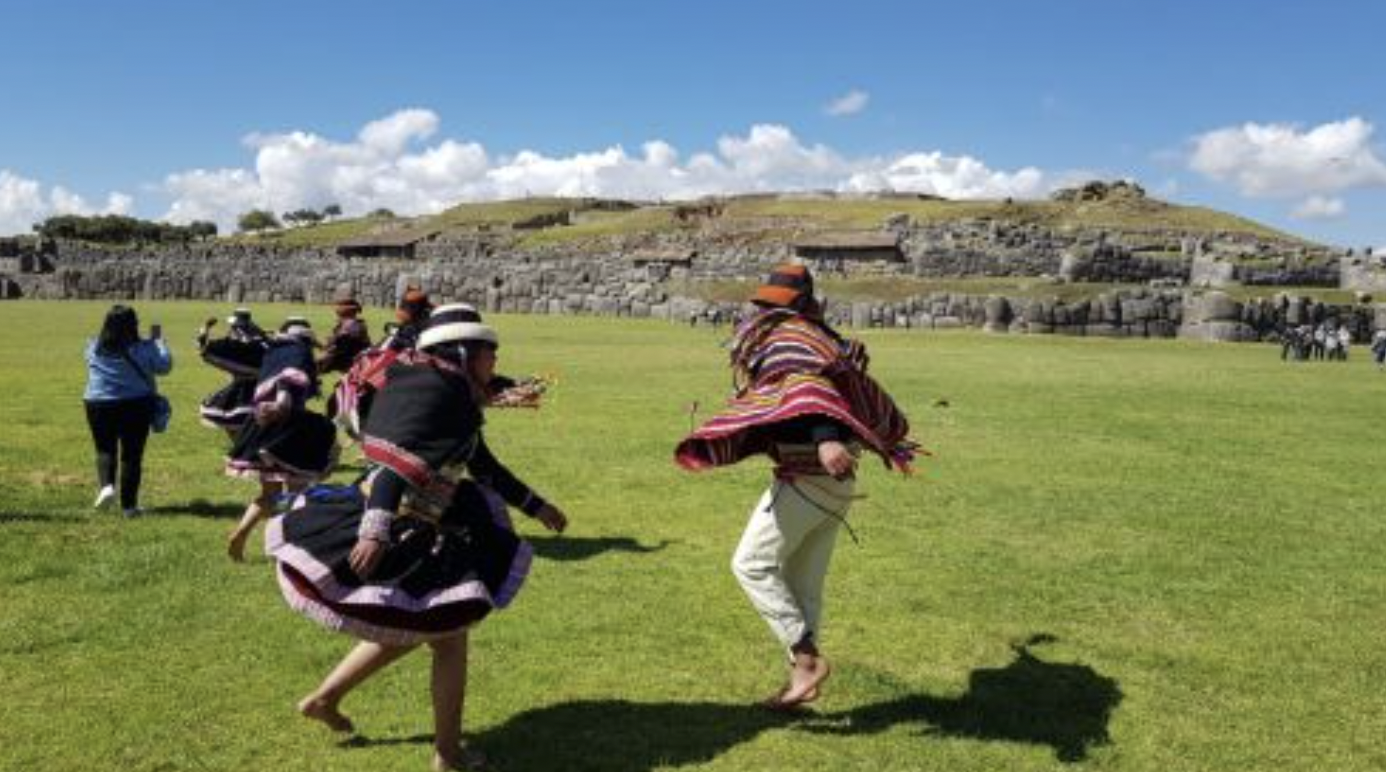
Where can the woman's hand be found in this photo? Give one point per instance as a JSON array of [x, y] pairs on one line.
[[366, 556], [268, 413], [836, 459], [553, 518]]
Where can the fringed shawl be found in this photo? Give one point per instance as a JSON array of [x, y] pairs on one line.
[[786, 366]]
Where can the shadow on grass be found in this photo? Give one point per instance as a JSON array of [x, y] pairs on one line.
[[362, 741], [12, 517], [573, 548], [215, 510], [1066, 707], [1063, 706]]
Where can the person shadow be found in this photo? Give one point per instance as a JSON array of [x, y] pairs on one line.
[[200, 508], [566, 549], [1066, 707]]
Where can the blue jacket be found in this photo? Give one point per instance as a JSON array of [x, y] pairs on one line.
[[112, 377]]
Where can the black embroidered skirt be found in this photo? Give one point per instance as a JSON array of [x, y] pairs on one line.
[[436, 579], [229, 407], [300, 449]]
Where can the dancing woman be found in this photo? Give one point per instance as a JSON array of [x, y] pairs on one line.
[[239, 354], [287, 446], [430, 551]]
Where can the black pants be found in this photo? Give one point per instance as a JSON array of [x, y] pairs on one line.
[[124, 423]]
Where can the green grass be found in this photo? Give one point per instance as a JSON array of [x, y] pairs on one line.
[[322, 235], [770, 219], [1198, 528], [1135, 217]]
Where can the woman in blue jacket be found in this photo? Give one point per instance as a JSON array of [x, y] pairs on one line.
[[120, 401]]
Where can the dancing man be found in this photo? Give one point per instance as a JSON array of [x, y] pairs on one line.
[[804, 399]]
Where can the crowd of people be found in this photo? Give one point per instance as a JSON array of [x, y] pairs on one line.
[[1323, 341], [420, 548]]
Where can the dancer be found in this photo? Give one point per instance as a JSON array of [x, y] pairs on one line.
[[349, 336], [426, 552], [351, 398], [286, 447], [804, 399], [239, 354], [119, 401]]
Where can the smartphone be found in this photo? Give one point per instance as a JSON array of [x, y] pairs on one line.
[[156, 331]]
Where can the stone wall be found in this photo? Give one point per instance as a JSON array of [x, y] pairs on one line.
[[613, 282], [1364, 273]]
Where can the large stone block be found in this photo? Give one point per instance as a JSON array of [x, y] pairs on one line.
[[1218, 331]]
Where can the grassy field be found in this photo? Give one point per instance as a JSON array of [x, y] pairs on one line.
[[1125, 555]]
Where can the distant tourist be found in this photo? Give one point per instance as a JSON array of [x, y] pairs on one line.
[[238, 354], [1379, 349], [428, 549], [287, 446], [803, 398], [120, 402], [1289, 344], [1344, 342], [1332, 344]]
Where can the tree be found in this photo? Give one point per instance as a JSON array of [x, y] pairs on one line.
[[202, 229], [119, 229], [382, 214], [302, 217], [331, 210], [257, 220]]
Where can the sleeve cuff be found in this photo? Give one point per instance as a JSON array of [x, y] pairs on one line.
[[375, 524], [826, 432], [532, 504]]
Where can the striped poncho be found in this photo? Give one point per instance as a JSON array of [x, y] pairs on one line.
[[787, 366]]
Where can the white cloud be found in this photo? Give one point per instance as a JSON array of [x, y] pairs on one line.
[[1282, 160], [397, 163], [949, 176], [23, 202], [1319, 208], [851, 103]]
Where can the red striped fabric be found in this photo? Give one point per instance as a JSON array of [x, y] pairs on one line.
[[788, 367]]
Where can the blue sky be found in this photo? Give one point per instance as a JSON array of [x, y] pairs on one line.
[[204, 108]]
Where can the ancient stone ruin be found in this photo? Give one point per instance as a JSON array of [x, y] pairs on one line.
[[1168, 281]]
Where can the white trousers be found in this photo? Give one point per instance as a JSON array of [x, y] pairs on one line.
[[782, 560]]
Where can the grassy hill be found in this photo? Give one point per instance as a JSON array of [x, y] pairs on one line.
[[578, 221]]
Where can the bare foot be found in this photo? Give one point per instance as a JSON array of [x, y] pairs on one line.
[[776, 702], [235, 545], [465, 759], [320, 710], [809, 672]]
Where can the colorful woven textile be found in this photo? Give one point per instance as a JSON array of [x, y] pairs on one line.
[[787, 366]]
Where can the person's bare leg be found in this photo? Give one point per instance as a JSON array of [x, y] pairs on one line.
[[258, 510], [363, 661], [449, 697]]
